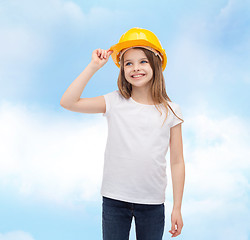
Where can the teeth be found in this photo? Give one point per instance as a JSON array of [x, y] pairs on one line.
[[137, 75]]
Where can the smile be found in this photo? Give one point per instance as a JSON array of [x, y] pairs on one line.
[[138, 76]]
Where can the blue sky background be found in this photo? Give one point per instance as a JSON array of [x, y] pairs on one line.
[[51, 159]]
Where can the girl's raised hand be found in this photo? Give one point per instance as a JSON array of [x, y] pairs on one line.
[[100, 57]]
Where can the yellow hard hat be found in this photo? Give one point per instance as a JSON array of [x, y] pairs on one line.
[[138, 37]]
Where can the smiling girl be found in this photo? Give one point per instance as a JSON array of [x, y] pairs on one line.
[[142, 124]]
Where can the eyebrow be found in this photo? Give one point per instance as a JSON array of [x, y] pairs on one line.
[[131, 60]]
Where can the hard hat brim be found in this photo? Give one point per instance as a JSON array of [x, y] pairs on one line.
[[132, 43]]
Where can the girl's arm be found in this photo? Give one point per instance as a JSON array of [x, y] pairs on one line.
[[178, 177], [73, 93]]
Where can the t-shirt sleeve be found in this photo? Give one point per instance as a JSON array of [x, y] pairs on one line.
[[177, 109], [109, 100]]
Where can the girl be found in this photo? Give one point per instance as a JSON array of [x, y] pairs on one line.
[[142, 123]]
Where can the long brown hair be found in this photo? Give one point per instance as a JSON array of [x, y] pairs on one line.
[[158, 90]]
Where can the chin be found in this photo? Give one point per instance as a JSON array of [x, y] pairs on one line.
[[139, 84]]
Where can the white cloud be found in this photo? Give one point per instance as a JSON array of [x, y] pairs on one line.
[[16, 235], [50, 158]]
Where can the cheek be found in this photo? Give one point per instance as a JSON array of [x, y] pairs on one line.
[[150, 72], [125, 73]]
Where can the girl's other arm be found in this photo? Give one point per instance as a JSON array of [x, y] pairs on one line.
[[71, 98], [178, 177]]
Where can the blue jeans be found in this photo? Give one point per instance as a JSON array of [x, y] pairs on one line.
[[117, 217]]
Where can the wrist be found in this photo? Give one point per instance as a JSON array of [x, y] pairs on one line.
[[177, 208], [93, 66]]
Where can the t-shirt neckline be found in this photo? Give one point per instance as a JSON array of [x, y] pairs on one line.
[[142, 104]]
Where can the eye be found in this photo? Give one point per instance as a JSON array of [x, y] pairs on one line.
[[141, 62]]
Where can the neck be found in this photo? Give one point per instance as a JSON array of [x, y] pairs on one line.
[[142, 95]]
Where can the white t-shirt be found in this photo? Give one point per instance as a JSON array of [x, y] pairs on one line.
[[134, 159]]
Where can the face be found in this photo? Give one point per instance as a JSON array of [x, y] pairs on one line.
[[137, 69]]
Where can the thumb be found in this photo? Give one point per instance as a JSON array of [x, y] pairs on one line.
[[173, 228], [110, 52]]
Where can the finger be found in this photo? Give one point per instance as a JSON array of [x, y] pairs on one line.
[[98, 52], [108, 53], [176, 233], [179, 226], [173, 228], [170, 231], [173, 235], [103, 52]]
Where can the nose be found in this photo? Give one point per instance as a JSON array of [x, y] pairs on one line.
[[136, 67]]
